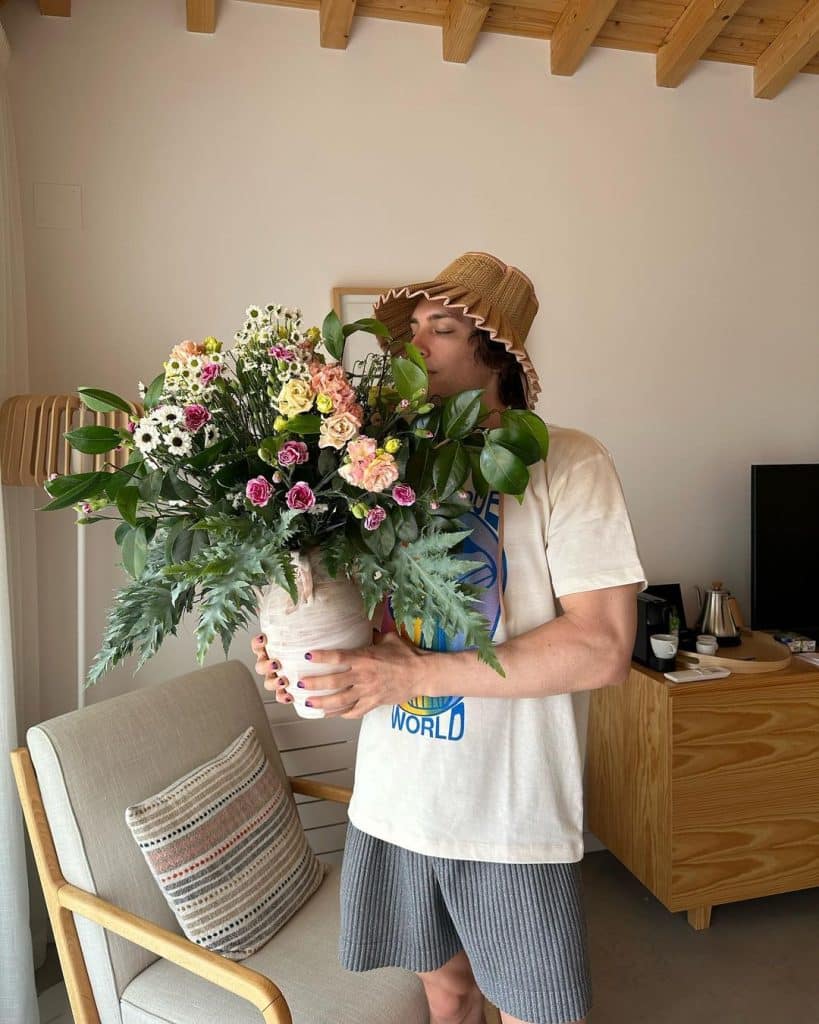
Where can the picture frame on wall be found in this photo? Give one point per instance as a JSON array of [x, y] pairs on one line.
[[355, 302]]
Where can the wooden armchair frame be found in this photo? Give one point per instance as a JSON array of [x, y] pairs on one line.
[[63, 900]]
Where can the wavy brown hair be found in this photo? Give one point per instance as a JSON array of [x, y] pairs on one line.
[[495, 355]]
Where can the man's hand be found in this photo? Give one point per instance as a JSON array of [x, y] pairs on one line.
[[389, 672], [268, 667]]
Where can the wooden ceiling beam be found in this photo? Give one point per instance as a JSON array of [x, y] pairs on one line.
[[335, 19], [201, 15], [56, 8], [575, 31], [692, 34], [797, 44], [462, 25]]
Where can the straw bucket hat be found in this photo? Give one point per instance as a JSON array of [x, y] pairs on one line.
[[499, 298]]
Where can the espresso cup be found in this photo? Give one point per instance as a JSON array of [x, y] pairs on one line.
[[664, 645], [706, 644]]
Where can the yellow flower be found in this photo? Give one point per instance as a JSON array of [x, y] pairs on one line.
[[324, 403], [392, 445], [296, 396], [211, 345], [279, 424], [313, 335]]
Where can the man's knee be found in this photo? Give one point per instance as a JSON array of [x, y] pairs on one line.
[[452, 993]]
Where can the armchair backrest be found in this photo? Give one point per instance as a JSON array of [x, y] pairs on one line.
[[92, 764]]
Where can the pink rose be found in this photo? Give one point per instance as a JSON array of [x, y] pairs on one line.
[[375, 517], [196, 416], [258, 491], [337, 430], [293, 453], [300, 497], [209, 373], [380, 473], [131, 426], [403, 494]]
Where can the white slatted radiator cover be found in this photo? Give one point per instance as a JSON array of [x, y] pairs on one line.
[[322, 749]]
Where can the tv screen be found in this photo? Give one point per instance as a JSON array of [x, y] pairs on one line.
[[785, 548]]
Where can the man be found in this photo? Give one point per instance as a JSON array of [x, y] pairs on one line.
[[462, 857]]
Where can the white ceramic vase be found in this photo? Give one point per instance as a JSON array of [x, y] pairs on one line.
[[329, 615]]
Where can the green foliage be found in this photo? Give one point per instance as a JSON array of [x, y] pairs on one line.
[[104, 401], [333, 334], [410, 379], [450, 470], [93, 440], [528, 422], [154, 392], [502, 470], [70, 489], [461, 413]]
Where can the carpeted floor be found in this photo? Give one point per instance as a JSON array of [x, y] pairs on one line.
[[758, 963]]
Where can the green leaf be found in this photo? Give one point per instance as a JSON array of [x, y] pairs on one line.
[[304, 423], [135, 552], [210, 455], [333, 335], [369, 326], [380, 541], [83, 486], [175, 488], [127, 501], [154, 392], [518, 440], [413, 353], [93, 440], [406, 525], [478, 479], [409, 378], [116, 481], [150, 486], [531, 423], [450, 470], [503, 471], [104, 401], [269, 449], [121, 532], [461, 413]]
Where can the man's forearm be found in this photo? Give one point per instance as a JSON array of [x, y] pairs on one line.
[[561, 656]]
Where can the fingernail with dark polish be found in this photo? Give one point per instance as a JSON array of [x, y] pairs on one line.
[[308, 656], [300, 684], [308, 703], [288, 699], [260, 638]]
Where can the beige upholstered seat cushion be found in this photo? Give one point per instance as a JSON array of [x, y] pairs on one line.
[[227, 849], [302, 959]]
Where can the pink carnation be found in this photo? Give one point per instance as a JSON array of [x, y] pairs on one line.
[[209, 373], [300, 497], [293, 453], [375, 517], [196, 416], [379, 474], [404, 495], [362, 449], [280, 352], [258, 491]]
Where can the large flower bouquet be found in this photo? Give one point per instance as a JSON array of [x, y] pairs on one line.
[[242, 457]]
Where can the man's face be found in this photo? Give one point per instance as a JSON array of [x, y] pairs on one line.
[[444, 336]]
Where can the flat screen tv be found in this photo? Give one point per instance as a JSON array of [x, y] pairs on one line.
[[785, 548]]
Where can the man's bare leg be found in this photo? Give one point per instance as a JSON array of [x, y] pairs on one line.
[[452, 994]]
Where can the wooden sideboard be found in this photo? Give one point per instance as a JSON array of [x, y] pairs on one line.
[[708, 792]]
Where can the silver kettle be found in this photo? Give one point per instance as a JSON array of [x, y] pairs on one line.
[[715, 617]]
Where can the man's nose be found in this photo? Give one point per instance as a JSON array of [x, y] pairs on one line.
[[421, 341]]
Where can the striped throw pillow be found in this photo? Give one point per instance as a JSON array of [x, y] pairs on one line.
[[228, 851]]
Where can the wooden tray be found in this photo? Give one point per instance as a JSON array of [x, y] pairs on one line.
[[758, 652]]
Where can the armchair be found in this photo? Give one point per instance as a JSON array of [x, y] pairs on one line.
[[124, 958]]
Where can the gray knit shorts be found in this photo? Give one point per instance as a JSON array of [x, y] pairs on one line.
[[521, 925]]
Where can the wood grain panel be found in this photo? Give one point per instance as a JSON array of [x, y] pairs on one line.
[[628, 777]]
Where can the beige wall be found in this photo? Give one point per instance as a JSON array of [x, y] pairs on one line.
[[673, 236]]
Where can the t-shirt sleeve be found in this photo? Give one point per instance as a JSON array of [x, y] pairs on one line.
[[590, 541]]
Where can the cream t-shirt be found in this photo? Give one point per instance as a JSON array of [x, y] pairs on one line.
[[494, 778]]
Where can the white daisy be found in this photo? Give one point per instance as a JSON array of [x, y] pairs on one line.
[[146, 435], [216, 357], [173, 366], [178, 441], [168, 415], [141, 388], [195, 388], [211, 435], [194, 363], [253, 313]]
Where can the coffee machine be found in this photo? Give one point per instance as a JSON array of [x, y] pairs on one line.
[[652, 617]]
